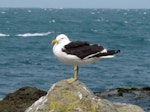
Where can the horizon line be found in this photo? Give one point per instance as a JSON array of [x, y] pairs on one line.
[[68, 8]]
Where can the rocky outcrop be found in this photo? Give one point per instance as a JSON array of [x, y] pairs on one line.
[[137, 96], [76, 97], [20, 100], [26, 96], [120, 92]]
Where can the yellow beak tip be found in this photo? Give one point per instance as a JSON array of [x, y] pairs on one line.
[[54, 41]]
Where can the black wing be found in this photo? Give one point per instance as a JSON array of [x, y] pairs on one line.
[[76, 44], [82, 49]]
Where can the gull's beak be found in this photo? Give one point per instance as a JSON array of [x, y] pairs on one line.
[[54, 41]]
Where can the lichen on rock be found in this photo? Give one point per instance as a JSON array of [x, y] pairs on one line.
[[75, 97]]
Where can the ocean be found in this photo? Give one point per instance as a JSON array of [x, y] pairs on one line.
[[26, 57]]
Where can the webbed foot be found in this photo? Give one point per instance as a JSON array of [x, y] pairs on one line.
[[71, 80]]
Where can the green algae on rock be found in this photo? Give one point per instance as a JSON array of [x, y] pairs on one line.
[[76, 97]]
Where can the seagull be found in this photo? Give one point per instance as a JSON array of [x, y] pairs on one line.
[[79, 53]]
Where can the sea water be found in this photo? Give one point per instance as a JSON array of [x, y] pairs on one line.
[[26, 57]]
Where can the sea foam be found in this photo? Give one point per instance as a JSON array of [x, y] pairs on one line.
[[3, 35], [2, 12], [33, 34]]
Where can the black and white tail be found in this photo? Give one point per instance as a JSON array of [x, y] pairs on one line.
[[109, 53]]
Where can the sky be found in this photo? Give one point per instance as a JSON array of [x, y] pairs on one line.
[[125, 4]]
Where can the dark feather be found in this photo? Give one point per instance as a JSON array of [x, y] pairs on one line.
[[108, 53], [76, 44], [82, 49]]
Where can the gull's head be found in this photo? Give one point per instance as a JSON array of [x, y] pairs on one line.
[[62, 38]]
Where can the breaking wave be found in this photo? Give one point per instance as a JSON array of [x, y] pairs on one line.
[[3, 35], [33, 34], [147, 40]]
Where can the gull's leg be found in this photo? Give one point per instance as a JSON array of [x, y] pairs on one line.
[[76, 68], [71, 80]]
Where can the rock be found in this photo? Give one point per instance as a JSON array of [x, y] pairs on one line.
[[137, 92], [137, 96], [76, 97], [20, 100], [123, 107]]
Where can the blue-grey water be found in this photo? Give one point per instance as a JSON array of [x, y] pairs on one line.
[[26, 57]]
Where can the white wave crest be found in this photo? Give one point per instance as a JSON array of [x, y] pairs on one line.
[[3, 35], [148, 40], [3, 12], [33, 34]]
